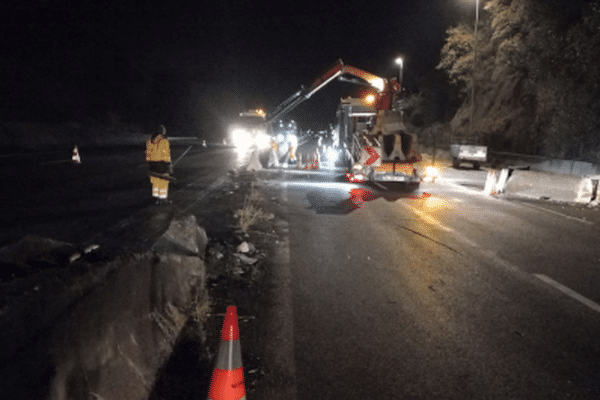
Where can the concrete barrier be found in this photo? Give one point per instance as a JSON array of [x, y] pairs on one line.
[[543, 185], [588, 189], [98, 327]]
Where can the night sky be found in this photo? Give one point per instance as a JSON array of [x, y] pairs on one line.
[[196, 61]]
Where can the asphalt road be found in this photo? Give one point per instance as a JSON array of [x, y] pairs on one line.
[[45, 194], [455, 296]]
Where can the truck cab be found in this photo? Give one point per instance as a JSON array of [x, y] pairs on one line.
[[249, 130]]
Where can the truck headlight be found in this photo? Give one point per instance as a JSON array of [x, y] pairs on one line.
[[292, 140], [431, 173], [332, 155], [263, 141], [241, 138]]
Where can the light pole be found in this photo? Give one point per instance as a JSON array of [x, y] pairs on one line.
[[474, 65], [400, 63]]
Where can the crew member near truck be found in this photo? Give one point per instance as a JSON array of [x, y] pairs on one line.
[[158, 156]]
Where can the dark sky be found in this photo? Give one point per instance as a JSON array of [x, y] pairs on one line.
[[199, 60]]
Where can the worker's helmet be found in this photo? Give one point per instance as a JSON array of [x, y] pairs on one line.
[[160, 130]]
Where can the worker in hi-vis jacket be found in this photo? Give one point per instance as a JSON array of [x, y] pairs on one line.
[[158, 156]]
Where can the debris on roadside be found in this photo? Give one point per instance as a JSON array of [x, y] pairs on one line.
[[245, 259], [246, 247]]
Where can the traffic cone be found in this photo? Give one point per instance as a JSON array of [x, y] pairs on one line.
[[315, 163], [228, 376], [254, 164], [76, 157]]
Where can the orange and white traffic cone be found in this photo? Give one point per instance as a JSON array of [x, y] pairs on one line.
[[315, 163], [228, 376], [76, 157]]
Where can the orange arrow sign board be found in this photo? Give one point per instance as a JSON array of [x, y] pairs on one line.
[[374, 155]]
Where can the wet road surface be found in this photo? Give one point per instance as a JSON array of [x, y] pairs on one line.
[[457, 295]]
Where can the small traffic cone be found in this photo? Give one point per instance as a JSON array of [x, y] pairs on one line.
[[254, 164], [228, 376], [315, 163], [76, 157]]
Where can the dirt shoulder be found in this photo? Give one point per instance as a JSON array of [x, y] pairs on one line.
[[241, 269]]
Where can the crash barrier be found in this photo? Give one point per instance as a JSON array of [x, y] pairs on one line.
[[544, 164], [588, 190], [95, 322], [496, 181], [541, 185], [227, 381]]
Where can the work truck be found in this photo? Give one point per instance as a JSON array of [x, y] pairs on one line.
[[372, 141], [467, 150]]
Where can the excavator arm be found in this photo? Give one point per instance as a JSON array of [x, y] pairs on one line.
[[342, 71]]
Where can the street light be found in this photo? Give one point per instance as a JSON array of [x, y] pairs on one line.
[[400, 63], [474, 65]]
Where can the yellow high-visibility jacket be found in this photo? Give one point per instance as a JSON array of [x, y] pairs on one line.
[[158, 150]]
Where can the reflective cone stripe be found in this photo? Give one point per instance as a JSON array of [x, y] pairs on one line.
[[228, 376]]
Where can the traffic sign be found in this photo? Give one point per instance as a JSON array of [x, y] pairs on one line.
[[374, 155]]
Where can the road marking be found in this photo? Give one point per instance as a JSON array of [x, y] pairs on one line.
[[450, 182], [437, 223], [428, 218], [594, 306], [203, 193], [281, 351], [584, 221]]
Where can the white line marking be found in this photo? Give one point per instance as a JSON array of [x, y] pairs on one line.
[[594, 306], [431, 220], [437, 223], [463, 189], [558, 213]]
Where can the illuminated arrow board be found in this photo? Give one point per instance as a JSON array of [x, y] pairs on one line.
[[374, 155]]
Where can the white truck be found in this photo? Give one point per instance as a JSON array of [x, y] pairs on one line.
[[467, 150]]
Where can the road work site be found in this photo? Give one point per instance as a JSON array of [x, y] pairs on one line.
[[141, 320]]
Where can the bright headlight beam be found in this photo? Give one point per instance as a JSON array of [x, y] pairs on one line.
[[241, 138], [263, 141], [293, 140]]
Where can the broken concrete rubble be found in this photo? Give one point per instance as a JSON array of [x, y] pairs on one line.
[[81, 328], [185, 235]]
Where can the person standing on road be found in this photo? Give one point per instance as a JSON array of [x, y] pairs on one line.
[[158, 156]]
